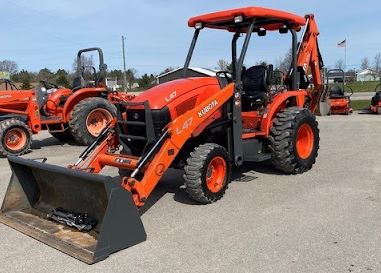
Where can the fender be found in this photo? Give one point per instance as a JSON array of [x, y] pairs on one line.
[[278, 104], [79, 95], [52, 105]]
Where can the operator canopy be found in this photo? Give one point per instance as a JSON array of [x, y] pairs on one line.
[[240, 19]]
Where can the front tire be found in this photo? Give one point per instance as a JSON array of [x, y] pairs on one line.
[[89, 117], [15, 138], [294, 140], [207, 173]]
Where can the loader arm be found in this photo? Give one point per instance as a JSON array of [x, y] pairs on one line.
[[310, 59]]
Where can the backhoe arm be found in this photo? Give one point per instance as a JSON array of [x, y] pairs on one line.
[[310, 59]]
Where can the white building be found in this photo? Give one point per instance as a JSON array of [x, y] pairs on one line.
[[367, 75]]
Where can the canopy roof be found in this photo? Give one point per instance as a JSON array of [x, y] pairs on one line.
[[269, 19]]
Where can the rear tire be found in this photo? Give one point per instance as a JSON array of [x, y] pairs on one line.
[[294, 140], [15, 138], [89, 117], [207, 173], [64, 136]]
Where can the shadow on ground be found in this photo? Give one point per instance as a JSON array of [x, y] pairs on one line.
[[49, 142], [173, 183]]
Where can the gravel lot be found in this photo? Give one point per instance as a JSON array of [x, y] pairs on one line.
[[327, 220]]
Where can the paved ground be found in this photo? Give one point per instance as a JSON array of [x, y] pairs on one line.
[[362, 96], [328, 220]]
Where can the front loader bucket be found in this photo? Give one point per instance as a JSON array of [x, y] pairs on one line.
[[36, 189]]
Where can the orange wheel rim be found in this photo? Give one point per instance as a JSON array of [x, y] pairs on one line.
[[15, 139], [305, 141], [97, 120], [215, 174]]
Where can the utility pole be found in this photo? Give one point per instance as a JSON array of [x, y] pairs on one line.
[[124, 65]]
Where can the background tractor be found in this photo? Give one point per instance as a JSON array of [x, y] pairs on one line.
[[339, 93], [202, 126], [375, 106], [80, 113]]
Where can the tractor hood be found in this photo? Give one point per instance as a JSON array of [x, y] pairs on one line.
[[161, 95]]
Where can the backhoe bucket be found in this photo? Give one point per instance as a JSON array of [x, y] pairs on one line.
[[37, 189]]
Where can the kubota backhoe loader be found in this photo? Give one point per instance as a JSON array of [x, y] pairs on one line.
[[79, 113], [200, 125]]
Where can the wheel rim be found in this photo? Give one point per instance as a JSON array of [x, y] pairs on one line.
[[97, 120], [305, 141], [15, 139], [215, 174]]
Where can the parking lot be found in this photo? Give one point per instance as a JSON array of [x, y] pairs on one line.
[[327, 220]]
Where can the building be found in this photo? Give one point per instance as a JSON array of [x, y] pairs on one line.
[[192, 72], [112, 84], [367, 75]]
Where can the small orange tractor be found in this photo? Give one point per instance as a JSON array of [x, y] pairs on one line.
[[80, 113], [375, 106], [339, 93], [202, 126]]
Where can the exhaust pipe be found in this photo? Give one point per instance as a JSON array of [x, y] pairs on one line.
[[37, 190]]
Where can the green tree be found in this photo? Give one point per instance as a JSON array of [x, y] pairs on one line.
[[262, 63], [26, 84], [45, 75], [131, 77], [62, 78], [147, 81], [168, 69], [118, 74], [26, 79], [63, 81]]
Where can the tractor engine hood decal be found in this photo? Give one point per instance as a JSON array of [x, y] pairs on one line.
[[161, 95]]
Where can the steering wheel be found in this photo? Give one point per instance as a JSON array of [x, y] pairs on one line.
[[226, 74], [378, 88], [49, 85], [350, 91]]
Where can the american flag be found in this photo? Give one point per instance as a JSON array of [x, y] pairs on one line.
[[343, 43]]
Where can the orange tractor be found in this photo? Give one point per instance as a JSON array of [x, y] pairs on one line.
[[202, 126], [339, 93], [80, 113], [375, 106]]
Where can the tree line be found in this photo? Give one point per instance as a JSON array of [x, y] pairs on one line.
[[64, 78]]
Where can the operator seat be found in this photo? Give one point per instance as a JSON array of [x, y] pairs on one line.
[[376, 99], [78, 83], [336, 92], [255, 87]]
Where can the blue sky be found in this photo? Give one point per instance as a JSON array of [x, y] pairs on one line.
[[48, 33]]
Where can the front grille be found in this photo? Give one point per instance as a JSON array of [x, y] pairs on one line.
[[142, 128]]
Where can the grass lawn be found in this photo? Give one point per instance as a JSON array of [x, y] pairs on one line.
[[360, 104], [363, 86]]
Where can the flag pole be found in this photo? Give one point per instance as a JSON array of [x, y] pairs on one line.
[[345, 55]]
